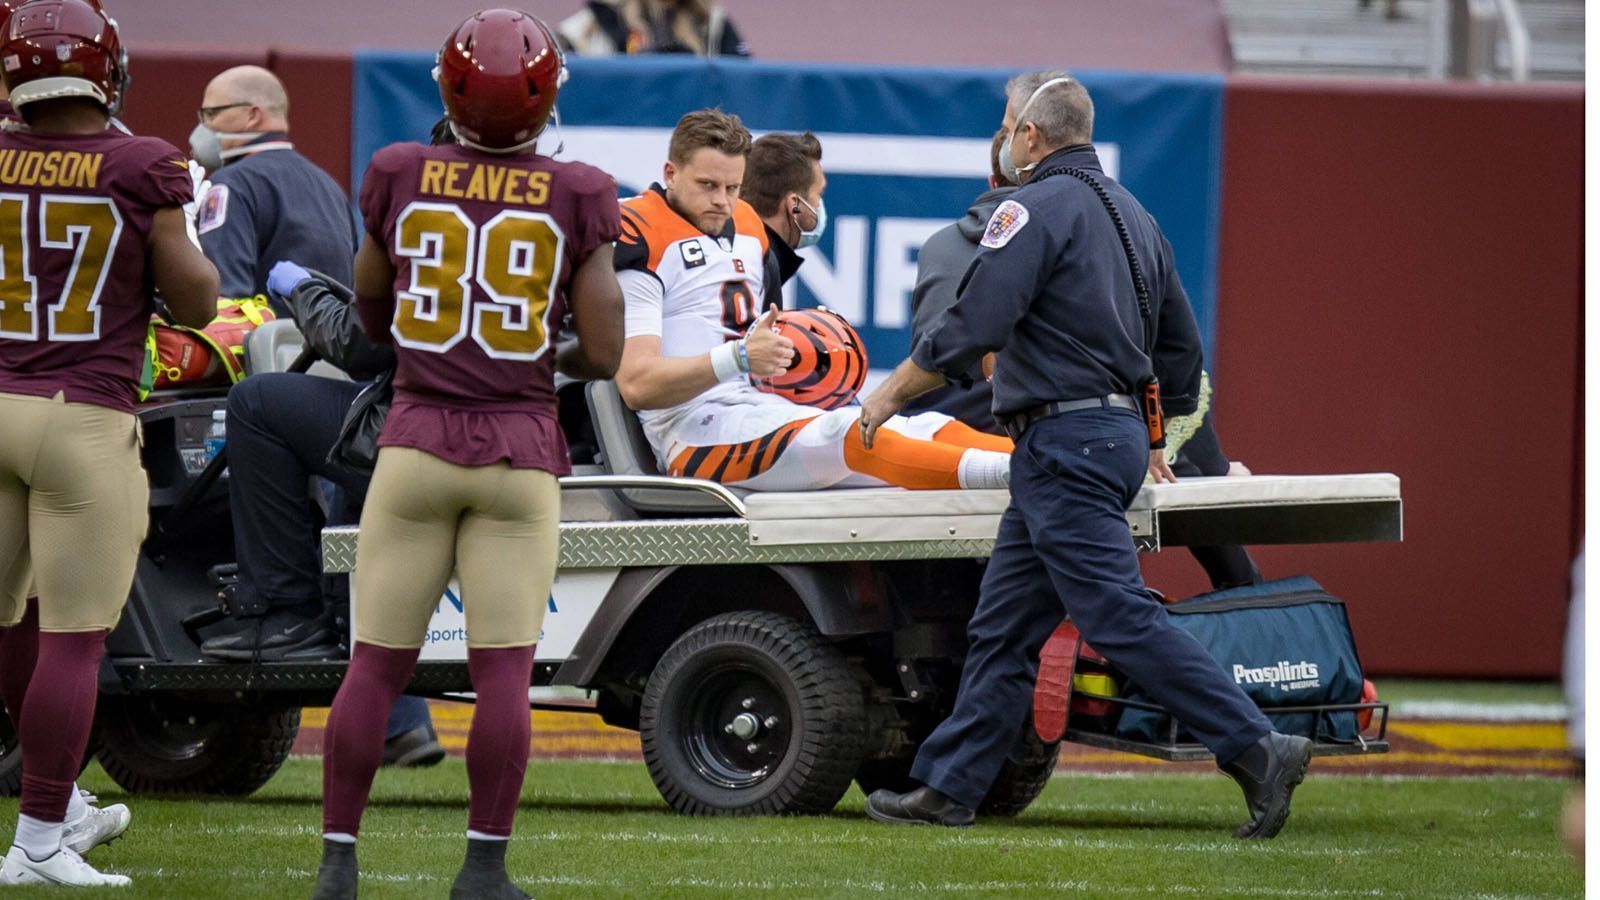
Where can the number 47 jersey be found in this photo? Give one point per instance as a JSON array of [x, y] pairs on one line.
[[76, 213], [484, 248]]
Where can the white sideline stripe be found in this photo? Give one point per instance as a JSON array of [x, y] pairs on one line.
[[849, 838], [875, 886], [1477, 712], [854, 838]]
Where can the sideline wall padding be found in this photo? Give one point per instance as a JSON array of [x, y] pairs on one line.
[[168, 84], [1400, 290]]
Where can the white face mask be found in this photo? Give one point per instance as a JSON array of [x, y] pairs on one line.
[[810, 238], [205, 145]]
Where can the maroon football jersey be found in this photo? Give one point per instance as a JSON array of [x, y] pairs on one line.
[[75, 283], [484, 248]]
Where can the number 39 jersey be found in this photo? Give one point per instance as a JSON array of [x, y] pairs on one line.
[[75, 284], [484, 248]]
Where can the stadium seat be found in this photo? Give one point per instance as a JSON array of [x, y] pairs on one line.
[[274, 346], [626, 451]]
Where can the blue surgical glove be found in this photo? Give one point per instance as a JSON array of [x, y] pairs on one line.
[[285, 277]]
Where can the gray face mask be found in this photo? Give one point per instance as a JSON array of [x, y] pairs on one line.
[[205, 145], [1013, 172], [1008, 168]]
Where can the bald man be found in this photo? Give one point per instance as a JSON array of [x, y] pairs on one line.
[[267, 202]]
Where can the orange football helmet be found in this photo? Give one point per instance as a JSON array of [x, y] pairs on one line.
[[830, 361]]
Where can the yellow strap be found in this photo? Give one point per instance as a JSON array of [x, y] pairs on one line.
[[1181, 428]]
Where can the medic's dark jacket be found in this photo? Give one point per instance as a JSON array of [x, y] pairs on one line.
[[1051, 292], [271, 205]]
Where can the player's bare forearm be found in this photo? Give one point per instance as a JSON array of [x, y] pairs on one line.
[[648, 380], [596, 319], [574, 359], [186, 279]]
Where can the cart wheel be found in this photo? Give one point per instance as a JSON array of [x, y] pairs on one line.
[[155, 744], [752, 713], [1023, 777]]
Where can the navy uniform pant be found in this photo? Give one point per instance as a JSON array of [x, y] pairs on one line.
[[1064, 549], [280, 428]]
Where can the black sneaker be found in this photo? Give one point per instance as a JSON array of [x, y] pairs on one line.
[[276, 637], [416, 748], [923, 806], [1268, 773]]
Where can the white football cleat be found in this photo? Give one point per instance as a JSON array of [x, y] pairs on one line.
[[97, 826], [63, 867]]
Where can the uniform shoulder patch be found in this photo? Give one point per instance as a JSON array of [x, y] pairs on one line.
[[1008, 219], [213, 209]]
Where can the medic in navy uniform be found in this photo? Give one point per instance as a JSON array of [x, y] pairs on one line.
[[474, 255], [1054, 293], [91, 224], [266, 201]]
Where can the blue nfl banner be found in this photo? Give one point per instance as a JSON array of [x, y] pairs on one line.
[[905, 152]]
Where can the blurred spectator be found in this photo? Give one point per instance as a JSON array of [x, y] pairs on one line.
[[609, 27], [1391, 8]]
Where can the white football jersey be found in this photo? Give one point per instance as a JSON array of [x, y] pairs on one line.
[[696, 291]]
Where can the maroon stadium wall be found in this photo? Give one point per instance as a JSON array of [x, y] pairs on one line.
[[1399, 290]]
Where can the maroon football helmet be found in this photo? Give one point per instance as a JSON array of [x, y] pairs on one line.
[[498, 75], [62, 48]]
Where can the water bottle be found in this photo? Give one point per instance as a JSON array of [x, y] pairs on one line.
[[219, 433]]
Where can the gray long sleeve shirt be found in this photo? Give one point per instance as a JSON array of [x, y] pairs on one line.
[[1051, 294]]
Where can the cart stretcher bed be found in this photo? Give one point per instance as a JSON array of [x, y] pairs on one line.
[[891, 523]]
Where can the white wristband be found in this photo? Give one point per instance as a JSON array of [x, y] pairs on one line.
[[725, 361]]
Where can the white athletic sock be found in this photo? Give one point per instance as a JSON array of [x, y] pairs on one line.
[[338, 837], [77, 807], [984, 470], [480, 836], [40, 840]]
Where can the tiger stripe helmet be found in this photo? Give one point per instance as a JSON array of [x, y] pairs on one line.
[[830, 362]]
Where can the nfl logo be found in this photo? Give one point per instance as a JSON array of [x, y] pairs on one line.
[[725, 244], [63, 52]]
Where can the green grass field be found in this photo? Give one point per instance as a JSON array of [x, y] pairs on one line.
[[599, 830]]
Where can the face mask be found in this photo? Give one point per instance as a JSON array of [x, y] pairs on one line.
[[1008, 168], [205, 145], [1013, 172], [810, 238]]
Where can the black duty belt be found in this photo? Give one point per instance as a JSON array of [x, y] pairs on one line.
[[1018, 422]]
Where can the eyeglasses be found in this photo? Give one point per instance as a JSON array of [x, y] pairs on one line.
[[206, 113]]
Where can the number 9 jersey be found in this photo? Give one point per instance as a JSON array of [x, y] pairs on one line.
[[76, 213], [484, 247]]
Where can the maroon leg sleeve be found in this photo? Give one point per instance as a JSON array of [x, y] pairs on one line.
[[19, 651], [497, 745], [56, 717], [352, 745]]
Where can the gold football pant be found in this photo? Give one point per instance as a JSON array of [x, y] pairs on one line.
[[73, 511], [498, 527]]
